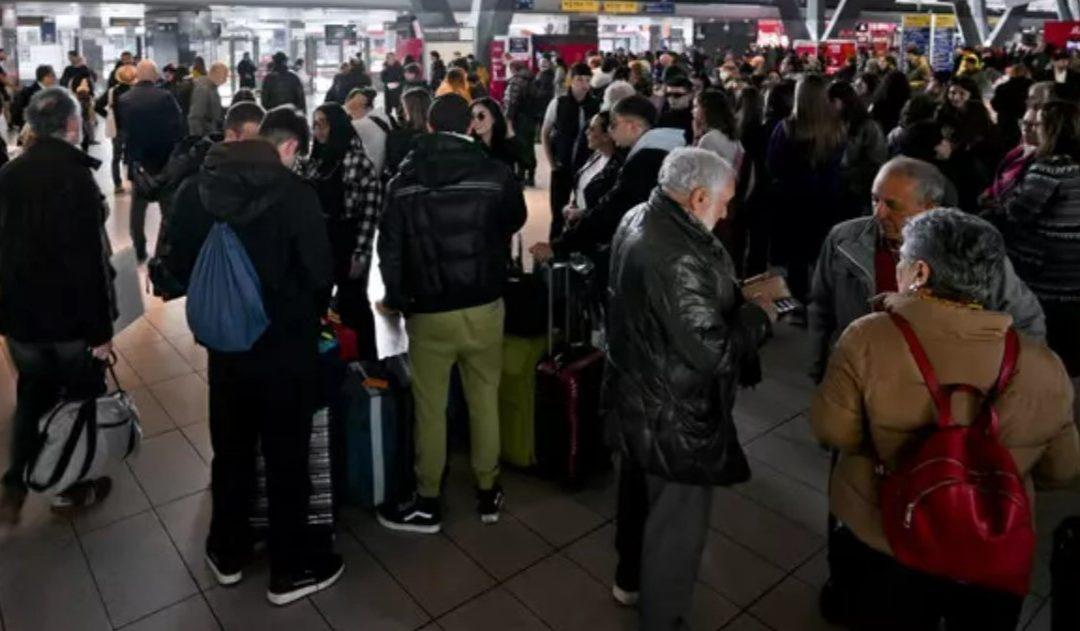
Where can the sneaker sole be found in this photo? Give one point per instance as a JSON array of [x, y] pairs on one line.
[[281, 600], [423, 530], [623, 597], [490, 519], [225, 580]]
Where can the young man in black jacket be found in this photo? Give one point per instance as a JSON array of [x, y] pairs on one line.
[[443, 247], [266, 395], [153, 124], [281, 86], [563, 137], [56, 298]]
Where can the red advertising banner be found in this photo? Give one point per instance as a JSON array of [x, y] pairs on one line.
[[497, 48], [837, 52], [1059, 34]]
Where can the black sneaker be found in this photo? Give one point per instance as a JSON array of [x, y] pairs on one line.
[[226, 573], [287, 589], [489, 503], [417, 514]]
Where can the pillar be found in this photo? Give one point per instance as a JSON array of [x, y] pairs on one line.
[[492, 19], [1063, 11], [845, 16], [815, 19], [966, 23], [978, 15], [791, 15], [1008, 26], [433, 13]]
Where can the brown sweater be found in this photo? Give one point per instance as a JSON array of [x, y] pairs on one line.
[[873, 393]]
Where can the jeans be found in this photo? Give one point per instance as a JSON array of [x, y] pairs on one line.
[[48, 373], [886, 596], [139, 205], [276, 413], [473, 339], [117, 159], [660, 534]]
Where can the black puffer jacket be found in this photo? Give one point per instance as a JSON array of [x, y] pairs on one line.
[[445, 233], [282, 87], [680, 340]]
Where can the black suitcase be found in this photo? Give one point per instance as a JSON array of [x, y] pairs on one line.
[[1065, 576]]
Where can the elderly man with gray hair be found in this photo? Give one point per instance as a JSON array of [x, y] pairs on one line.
[[682, 339], [858, 260]]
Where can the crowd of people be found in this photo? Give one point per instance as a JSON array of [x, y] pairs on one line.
[[949, 200]]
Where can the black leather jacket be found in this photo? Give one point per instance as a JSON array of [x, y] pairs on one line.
[[282, 87], [681, 339], [444, 237]]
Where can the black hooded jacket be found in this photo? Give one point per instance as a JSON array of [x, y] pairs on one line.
[[281, 86], [277, 218], [445, 233], [680, 342]]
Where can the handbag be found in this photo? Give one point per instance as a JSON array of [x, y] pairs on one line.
[[78, 439]]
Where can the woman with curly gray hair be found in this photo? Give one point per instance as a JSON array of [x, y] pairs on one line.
[[873, 406]]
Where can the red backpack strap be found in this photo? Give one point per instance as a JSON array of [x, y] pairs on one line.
[[941, 399], [1008, 362]]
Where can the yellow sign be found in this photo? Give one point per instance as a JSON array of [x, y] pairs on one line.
[[622, 7], [581, 6], [920, 20], [944, 21]]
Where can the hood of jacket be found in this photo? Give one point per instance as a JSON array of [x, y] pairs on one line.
[[241, 180], [442, 159], [664, 139]]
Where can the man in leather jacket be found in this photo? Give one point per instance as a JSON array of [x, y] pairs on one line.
[[682, 339], [858, 261], [444, 240]]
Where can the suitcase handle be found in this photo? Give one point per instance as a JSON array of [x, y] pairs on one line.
[[552, 266]]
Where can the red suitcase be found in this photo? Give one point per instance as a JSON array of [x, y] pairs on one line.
[[569, 428]]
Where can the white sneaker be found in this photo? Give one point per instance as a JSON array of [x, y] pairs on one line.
[[625, 598]]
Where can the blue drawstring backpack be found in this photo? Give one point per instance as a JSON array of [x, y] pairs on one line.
[[224, 306]]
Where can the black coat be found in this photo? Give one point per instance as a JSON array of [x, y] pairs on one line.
[[55, 280], [679, 338], [277, 218], [246, 70], [282, 87], [21, 102], [346, 82], [445, 234], [153, 124]]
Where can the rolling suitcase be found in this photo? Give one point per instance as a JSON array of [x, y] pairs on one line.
[[375, 415], [517, 399], [1065, 576], [569, 428]]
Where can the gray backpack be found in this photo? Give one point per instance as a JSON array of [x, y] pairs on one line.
[[77, 440]]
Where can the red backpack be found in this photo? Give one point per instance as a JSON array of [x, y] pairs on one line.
[[955, 505]]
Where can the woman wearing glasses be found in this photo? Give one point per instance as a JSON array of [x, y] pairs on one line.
[[490, 128], [351, 194]]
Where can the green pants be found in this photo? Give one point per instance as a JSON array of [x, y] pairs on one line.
[[471, 338]]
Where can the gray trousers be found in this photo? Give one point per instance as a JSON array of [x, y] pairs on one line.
[[673, 521]]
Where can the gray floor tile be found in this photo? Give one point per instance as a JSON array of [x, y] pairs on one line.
[[244, 607], [502, 549], [710, 610], [807, 463], [168, 467], [367, 597], [548, 510], [496, 610], [800, 503], [156, 361], [432, 627], [735, 572], [192, 614], [125, 500], [137, 568], [434, 571], [1041, 621], [746, 622], [1032, 604], [198, 434], [186, 399], [601, 495], [763, 531], [792, 606], [46, 586], [187, 521], [37, 523], [152, 417], [568, 599], [815, 572]]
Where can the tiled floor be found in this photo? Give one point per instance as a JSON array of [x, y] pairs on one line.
[[135, 562]]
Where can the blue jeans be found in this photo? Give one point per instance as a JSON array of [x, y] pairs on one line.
[[48, 373]]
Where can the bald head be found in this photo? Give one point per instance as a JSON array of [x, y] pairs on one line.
[[219, 73], [146, 70]]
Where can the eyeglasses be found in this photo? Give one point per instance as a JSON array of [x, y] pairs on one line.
[[479, 117]]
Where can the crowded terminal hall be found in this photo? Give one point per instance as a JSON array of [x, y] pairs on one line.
[[577, 315]]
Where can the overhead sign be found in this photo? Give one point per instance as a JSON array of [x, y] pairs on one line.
[[581, 6], [525, 5], [942, 42], [622, 7], [915, 33], [659, 8]]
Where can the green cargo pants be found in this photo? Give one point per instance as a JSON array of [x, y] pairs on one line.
[[472, 338]]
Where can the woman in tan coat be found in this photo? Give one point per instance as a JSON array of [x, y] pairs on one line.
[[873, 403]]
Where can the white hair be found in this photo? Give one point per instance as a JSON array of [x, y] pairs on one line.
[[688, 169], [615, 92]]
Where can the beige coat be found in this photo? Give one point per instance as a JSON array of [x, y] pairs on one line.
[[873, 391]]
